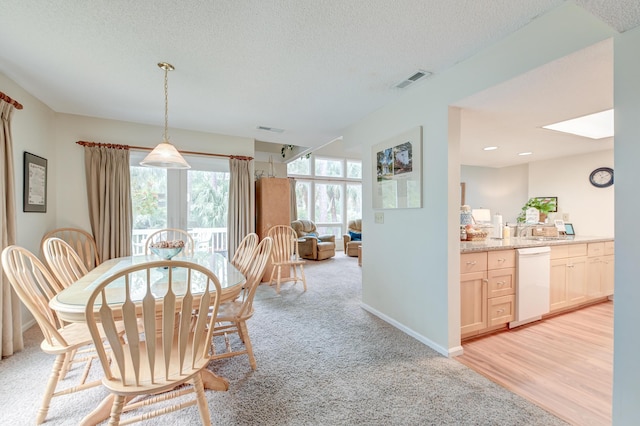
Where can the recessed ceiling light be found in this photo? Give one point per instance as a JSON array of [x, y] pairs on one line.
[[594, 126], [490, 148], [525, 153]]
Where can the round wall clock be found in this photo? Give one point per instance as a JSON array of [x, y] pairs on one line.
[[601, 177]]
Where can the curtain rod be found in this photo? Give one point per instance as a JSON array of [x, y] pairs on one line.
[[13, 102], [144, 148]]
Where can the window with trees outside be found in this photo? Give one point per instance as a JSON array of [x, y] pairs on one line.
[[328, 191], [195, 199]]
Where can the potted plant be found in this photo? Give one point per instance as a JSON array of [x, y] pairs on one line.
[[543, 205]]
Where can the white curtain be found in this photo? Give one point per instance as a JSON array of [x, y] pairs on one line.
[[109, 195], [11, 327], [293, 202], [240, 222]]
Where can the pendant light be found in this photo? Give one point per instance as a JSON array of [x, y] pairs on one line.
[[165, 155]]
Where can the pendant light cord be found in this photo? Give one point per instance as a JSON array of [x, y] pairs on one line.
[[166, 103]]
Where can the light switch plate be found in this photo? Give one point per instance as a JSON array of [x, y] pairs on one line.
[[379, 217]]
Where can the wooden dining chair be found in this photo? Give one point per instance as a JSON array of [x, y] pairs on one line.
[[171, 349], [82, 243], [285, 254], [171, 234], [70, 343], [244, 253], [233, 315], [63, 261]]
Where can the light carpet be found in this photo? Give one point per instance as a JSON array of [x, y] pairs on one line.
[[322, 360]]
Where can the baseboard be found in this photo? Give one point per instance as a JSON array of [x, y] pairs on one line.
[[28, 324], [455, 351]]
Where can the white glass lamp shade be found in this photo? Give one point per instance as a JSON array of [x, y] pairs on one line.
[[165, 156]]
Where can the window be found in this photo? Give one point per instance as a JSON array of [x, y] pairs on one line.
[[328, 192], [329, 167], [301, 166], [195, 199]]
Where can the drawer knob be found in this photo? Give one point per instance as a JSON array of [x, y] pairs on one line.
[[500, 283], [500, 310], [471, 262]]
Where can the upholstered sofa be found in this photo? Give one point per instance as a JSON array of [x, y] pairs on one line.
[[353, 238], [312, 245]]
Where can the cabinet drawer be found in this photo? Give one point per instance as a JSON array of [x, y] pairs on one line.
[[595, 249], [559, 252], [609, 247], [501, 282], [501, 259], [577, 250], [501, 310], [473, 262]]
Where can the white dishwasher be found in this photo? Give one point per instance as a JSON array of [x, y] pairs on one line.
[[533, 266]]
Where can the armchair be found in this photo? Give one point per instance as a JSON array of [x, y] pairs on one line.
[[310, 244], [354, 228]]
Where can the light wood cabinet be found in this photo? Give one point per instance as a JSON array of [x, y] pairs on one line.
[[272, 208], [473, 302], [487, 290], [600, 270], [577, 280], [558, 285], [580, 273]]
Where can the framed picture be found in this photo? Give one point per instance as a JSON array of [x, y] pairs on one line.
[[35, 184], [553, 201], [397, 171]]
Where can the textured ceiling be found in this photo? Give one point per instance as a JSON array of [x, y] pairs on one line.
[[308, 67]]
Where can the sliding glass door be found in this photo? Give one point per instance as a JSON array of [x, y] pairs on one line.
[[195, 199]]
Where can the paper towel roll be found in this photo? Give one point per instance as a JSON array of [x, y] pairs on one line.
[[497, 226]]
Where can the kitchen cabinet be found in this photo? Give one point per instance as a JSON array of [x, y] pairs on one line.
[[568, 281], [600, 270], [473, 302], [487, 291], [473, 293]]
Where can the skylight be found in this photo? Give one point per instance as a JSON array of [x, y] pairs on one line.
[[594, 126]]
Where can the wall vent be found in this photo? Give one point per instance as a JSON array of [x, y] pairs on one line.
[[270, 129], [412, 79]]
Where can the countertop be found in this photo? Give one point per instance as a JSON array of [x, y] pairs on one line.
[[514, 243]]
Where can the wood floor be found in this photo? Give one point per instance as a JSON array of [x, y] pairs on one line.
[[563, 364]]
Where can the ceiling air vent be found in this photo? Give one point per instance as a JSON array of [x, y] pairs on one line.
[[410, 80], [270, 129]]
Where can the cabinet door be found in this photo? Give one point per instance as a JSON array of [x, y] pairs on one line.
[[595, 267], [558, 285], [608, 278], [576, 280], [473, 302]]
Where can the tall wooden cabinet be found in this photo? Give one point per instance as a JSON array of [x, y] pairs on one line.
[[272, 208]]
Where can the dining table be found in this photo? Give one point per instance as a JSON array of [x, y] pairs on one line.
[[70, 303]]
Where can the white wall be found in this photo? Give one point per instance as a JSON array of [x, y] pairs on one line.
[[405, 279], [507, 189], [590, 209], [32, 130], [503, 190], [626, 373]]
